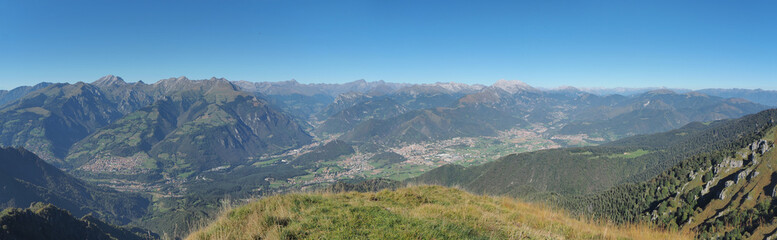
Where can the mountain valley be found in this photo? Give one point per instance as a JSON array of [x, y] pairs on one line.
[[176, 150]]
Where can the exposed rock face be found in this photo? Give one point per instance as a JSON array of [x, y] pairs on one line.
[[736, 163], [109, 80], [722, 194], [729, 163], [760, 146], [513, 86], [764, 146], [741, 175], [707, 187]]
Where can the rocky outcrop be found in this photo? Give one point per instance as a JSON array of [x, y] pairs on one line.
[[722, 194], [742, 175], [736, 163], [760, 146], [707, 187], [729, 163]]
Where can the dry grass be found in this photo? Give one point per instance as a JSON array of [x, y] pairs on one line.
[[420, 212]]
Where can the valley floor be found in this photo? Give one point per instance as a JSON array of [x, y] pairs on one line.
[[424, 156]]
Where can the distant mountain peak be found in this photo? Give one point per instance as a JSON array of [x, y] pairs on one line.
[[696, 94], [661, 91], [456, 87], [218, 79], [512, 86], [567, 89], [109, 80], [172, 80]]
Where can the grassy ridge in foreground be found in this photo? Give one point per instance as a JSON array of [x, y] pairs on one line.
[[422, 212]]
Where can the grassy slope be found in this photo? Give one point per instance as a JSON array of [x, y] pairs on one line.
[[423, 212]]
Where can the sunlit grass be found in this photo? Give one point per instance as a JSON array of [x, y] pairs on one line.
[[422, 212]]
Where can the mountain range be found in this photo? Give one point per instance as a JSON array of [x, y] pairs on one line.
[[178, 128], [180, 144]]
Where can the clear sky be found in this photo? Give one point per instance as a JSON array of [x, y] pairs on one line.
[[681, 44]]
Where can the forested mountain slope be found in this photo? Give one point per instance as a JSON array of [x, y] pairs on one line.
[[50, 120], [724, 191], [25, 178], [590, 169], [656, 111], [45, 221], [765, 97], [715, 179], [432, 124]]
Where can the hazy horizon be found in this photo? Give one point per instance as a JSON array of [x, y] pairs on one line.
[[609, 44], [582, 88]]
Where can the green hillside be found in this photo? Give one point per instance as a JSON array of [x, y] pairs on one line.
[[50, 120], [432, 124], [348, 118], [207, 125], [425, 212]]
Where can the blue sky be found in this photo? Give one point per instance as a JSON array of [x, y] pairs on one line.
[[680, 44]]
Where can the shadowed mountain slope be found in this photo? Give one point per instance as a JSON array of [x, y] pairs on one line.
[[45, 221], [25, 178]]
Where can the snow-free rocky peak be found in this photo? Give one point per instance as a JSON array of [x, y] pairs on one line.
[[459, 87], [512, 86], [109, 80]]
